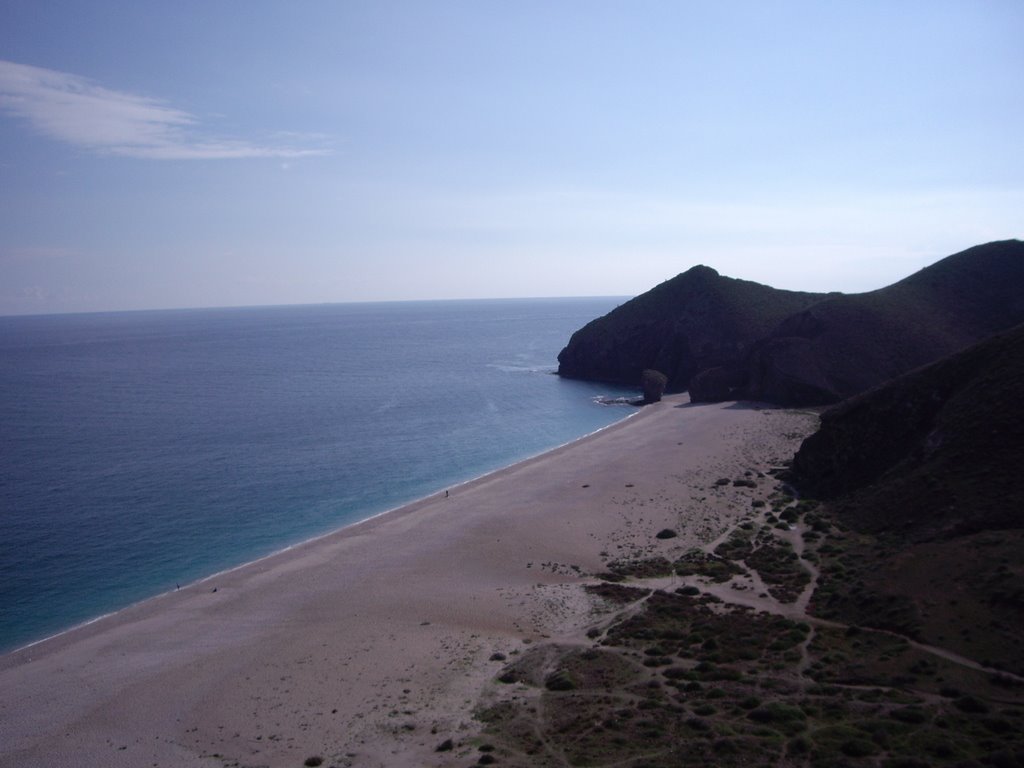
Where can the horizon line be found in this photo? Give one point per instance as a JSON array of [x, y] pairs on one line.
[[197, 308]]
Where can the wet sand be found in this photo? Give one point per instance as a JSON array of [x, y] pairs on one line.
[[371, 646]]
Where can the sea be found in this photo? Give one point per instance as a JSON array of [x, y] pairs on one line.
[[144, 450]]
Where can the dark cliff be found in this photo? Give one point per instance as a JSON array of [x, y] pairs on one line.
[[694, 321], [725, 339], [934, 453]]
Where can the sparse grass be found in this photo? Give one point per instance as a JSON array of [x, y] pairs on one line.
[[683, 679], [647, 568], [780, 569], [698, 563]]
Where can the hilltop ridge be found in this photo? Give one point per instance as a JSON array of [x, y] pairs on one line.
[[849, 343]]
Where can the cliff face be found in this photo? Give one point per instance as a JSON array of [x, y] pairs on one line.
[[934, 453], [696, 320], [724, 339]]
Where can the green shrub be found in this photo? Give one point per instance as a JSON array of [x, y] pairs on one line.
[[560, 680]]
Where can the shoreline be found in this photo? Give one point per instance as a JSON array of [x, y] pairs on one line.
[[374, 643], [312, 540]]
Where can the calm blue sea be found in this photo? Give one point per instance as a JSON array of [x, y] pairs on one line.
[[143, 449]]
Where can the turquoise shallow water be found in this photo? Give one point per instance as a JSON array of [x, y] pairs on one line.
[[143, 449]]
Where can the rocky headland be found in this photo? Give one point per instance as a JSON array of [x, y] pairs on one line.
[[695, 321], [723, 339]]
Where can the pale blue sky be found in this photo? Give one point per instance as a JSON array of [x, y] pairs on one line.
[[215, 153]]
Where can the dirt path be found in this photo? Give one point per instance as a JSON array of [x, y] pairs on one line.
[[750, 589]]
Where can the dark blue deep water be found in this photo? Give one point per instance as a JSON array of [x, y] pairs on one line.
[[143, 449]]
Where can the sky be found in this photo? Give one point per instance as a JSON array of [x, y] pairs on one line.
[[229, 152]]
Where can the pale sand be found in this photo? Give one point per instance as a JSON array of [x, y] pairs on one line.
[[372, 645]]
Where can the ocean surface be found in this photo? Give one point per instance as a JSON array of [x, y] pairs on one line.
[[140, 450]]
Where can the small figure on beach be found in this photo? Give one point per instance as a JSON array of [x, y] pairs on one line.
[[446, 494]]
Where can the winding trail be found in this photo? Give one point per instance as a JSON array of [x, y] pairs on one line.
[[750, 590]]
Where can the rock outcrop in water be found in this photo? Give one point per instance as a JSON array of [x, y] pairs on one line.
[[731, 339]]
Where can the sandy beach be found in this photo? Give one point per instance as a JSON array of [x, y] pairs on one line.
[[375, 644]]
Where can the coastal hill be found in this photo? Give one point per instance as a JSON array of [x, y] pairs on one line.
[[849, 343], [697, 320], [924, 472], [723, 339]]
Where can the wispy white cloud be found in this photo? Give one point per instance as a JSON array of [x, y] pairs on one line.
[[78, 111]]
